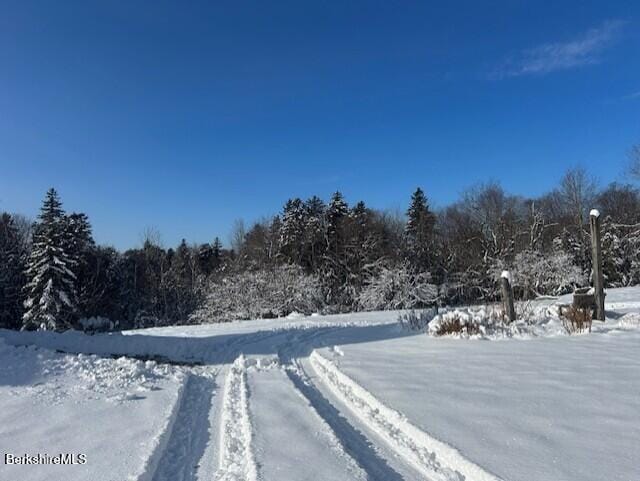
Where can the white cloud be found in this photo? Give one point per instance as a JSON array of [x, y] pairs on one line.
[[551, 57]]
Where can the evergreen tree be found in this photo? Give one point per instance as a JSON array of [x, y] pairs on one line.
[[217, 252], [81, 249], [99, 291], [361, 214], [79, 234], [420, 220], [205, 259], [337, 211], [292, 230], [419, 231], [363, 243], [315, 210], [11, 274], [336, 272], [51, 291], [180, 284]]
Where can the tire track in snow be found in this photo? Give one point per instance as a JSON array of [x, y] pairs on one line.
[[236, 462], [190, 431], [435, 459], [354, 443]]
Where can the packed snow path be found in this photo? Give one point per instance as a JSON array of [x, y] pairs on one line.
[[294, 400], [301, 434], [188, 433]]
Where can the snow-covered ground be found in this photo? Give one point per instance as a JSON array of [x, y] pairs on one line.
[[114, 411], [348, 397]]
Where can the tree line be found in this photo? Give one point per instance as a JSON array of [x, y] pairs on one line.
[[316, 256]]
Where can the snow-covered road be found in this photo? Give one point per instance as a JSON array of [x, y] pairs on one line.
[[350, 397]]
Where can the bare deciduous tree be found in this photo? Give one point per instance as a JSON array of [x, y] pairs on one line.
[[151, 236], [237, 236], [621, 202], [577, 192], [634, 162], [24, 225]]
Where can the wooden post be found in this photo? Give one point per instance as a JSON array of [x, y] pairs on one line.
[[596, 261], [507, 296]]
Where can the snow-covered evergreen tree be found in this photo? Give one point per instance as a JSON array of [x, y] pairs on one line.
[[80, 247], [292, 230], [337, 210], [314, 230], [335, 269], [51, 302], [11, 274], [364, 244]]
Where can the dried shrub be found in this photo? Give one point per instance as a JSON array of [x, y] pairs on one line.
[[495, 313], [456, 324], [525, 310], [575, 319]]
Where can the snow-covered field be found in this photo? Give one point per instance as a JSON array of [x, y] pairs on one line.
[[348, 397]]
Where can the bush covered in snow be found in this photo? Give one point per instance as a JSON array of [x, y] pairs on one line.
[[265, 293], [490, 322], [96, 324], [456, 322], [397, 288], [464, 322], [535, 274]]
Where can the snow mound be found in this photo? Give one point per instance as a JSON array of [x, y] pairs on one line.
[[127, 378], [632, 319], [56, 377]]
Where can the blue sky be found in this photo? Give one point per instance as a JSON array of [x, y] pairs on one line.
[[188, 115]]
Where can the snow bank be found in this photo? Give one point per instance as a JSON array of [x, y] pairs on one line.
[[209, 344]]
